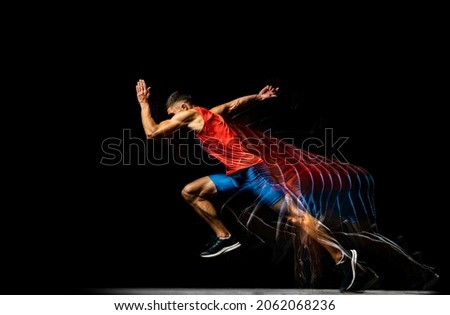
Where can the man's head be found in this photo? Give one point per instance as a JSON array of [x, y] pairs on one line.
[[178, 102]]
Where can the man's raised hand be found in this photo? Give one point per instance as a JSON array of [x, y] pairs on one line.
[[268, 92], [142, 92]]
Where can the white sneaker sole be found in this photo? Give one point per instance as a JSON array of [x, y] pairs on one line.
[[353, 262]]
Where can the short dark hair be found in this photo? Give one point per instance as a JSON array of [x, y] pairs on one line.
[[178, 96]]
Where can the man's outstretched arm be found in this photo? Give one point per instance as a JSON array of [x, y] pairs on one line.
[[151, 128], [267, 92]]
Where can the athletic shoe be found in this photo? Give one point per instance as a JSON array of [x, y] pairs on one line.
[[355, 276], [220, 246]]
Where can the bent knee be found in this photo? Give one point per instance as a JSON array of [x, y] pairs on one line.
[[188, 192], [300, 218], [199, 189]]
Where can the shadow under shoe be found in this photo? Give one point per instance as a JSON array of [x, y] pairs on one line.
[[356, 277]]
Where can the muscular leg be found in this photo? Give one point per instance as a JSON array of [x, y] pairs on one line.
[[311, 226], [197, 194]]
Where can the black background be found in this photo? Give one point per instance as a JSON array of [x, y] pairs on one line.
[[73, 223]]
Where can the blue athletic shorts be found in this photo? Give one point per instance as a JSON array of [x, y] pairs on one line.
[[256, 180]]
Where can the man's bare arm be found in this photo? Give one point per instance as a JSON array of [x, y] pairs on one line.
[[267, 92], [165, 127]]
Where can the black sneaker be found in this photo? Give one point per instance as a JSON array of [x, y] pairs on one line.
[[220, 246], [355, 276], [423, 279]]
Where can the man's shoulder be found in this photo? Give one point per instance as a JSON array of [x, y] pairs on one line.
[[202, 110], [196, 107]]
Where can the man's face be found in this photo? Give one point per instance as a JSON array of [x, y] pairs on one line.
[[176, 108]]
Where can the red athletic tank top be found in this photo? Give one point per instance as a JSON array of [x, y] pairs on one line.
[[223, 143]]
